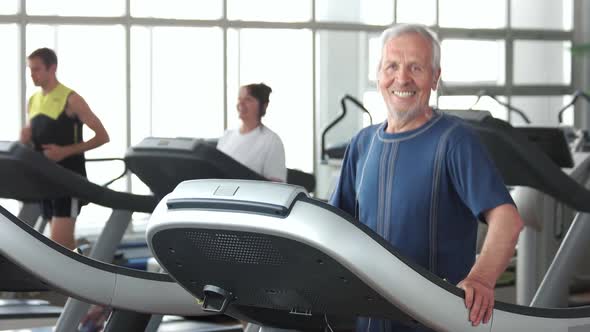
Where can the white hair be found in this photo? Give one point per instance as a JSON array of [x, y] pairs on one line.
[[406, 28]]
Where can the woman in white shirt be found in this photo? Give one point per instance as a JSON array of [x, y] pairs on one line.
[[253, 144]]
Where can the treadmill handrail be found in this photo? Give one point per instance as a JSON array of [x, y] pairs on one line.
[[515, 308], [340, 117], [108, 183], [576, 95], [482, 93], [16, 235], [68, 183]]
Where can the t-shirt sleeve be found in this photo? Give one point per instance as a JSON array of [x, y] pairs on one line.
[[222, 142], [344, 194], [274, 166], [475, 176]]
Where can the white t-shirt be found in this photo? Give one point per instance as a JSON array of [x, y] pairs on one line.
[[261, 150]]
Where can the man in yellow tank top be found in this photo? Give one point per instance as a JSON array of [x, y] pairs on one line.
[[55, 118]]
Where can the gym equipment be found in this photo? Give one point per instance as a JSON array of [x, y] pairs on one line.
[[162, 163]]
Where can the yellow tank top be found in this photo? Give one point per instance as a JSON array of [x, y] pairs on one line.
[[51, 104]]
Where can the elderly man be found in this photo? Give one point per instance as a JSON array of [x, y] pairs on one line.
[[422, 178]]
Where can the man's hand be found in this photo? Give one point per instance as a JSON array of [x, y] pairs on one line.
[[25, 135], [55, 152], [479, 299], [95, 319]]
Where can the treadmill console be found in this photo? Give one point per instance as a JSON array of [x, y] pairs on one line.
[[552, 141], [163, 163], [157, 143], [238, 195]]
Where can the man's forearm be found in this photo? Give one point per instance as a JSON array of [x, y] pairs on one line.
[[504, 226], [82, 147]]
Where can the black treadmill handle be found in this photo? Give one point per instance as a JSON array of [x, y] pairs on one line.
[[125, 169], [482, 93], [339, 118], [513, 109], [576, 95]]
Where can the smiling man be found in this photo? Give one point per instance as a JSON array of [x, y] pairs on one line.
[[421, 179]]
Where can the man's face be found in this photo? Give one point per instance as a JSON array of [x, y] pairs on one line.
[[39, 73], [406, 76]]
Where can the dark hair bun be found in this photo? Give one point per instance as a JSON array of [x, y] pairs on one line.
[[265, 88]]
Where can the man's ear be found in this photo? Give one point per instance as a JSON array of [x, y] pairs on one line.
[[436, 79]]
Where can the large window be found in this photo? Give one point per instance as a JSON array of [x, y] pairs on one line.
[[537, 62], [416, 11], [269, 10], [177, 9], [8, 7], [76, 7], [10, 101], [473, 61], [377, 12], [533, 14], [472, 14], [176, 82]]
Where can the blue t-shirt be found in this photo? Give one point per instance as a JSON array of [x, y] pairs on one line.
[[422, 190]]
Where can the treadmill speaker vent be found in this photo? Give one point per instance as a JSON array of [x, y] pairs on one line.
[[246, 249]]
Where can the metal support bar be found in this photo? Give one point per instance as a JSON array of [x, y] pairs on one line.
[[122, 320], [103, 250], [554, 289], [29, 213]]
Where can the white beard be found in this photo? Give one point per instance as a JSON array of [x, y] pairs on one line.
[[403, 118]]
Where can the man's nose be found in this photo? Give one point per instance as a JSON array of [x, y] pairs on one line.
[[403, 75]]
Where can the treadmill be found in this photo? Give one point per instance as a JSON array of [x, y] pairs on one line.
[[298, 270], [163, 163], [30, 177]]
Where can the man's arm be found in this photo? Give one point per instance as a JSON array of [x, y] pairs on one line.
[[504, 225], [26, 134], [77, 106]]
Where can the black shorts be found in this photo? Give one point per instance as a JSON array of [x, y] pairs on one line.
[[64, 207]]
